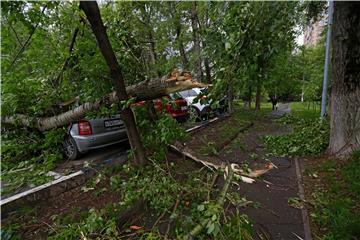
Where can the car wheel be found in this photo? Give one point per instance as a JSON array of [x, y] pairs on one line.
[[194, 114], [207, 115], [70, 149]]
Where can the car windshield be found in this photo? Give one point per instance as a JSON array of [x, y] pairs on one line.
[[175, 95], [188, 93]]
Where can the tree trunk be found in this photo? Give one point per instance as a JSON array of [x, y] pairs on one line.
[[207, 70], [92, 12], [345, 93], [145, 90], [181, 45], [206, 59], [231, 97], [196, 39], [150, 35], [247, 99], [258, 96], [153, 51], [178, 29]]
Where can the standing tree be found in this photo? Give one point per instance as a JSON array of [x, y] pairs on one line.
[[175, 15], [345, 93], [92, 12], [196, 39]]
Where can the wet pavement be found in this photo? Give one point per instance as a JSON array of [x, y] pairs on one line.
[[271, 213], [273, 216]]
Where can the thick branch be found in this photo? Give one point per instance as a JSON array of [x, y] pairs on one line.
[[67, 60]]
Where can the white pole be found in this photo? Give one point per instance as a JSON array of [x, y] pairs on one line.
[[327, 57]]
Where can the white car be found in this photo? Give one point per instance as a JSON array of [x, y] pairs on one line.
[[199, 109]]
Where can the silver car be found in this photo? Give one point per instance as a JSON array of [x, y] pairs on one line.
[[86, 135]]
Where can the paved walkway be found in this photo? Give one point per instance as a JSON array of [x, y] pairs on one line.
[[283, 108], [274, 218]]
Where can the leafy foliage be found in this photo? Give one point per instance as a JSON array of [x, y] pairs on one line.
[[153, 184], [243, 57], [144, 184], [28, 156], [309, 137], [238, 227], [157, 135], [96, 222]]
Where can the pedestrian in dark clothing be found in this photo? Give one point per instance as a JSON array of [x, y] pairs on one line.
[[274, 101]]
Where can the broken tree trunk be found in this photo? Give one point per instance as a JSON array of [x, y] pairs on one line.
[[145, 90]]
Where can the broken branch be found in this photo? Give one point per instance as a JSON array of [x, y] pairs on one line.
[[220, 202]]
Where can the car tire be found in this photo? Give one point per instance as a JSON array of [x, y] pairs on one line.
[[194, 114], [70, 149], [207, 114]]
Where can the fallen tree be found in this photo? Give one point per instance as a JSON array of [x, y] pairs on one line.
[[145, 90]]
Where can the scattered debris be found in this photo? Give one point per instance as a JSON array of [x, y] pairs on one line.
[[55, 175], [295, 202], [134, 227], [300, 238], [240, 174], [259, 172], [198, 127]]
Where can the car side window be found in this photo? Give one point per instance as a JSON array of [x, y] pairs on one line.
[[188, 93], [192, 93]]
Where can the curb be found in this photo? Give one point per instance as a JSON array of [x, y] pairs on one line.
[[304, 213], [45, 191], [54, 188]]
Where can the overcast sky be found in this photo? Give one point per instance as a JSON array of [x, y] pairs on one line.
[[300, 39]]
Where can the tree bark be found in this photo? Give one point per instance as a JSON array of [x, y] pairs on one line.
[[92, 12], [207, 70], [230, 96], [345, 93], [206, 59], [181, 44], [258, 96], [145, 90], [196, 39], [247, 99]]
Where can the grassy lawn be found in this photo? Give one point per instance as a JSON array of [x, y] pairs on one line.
[[335, 195], [305, 110]]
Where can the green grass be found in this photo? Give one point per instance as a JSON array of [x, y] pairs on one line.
[[336, 204], [302, 109]]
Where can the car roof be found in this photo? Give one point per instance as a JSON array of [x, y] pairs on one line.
[[198, 90]]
